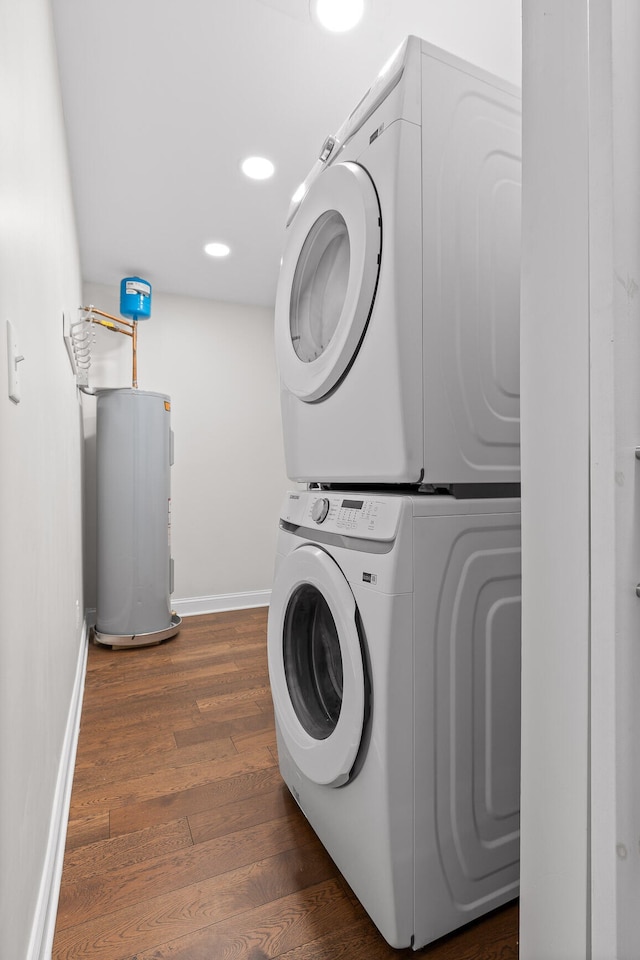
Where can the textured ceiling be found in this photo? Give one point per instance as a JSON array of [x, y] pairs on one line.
[[164, 98]]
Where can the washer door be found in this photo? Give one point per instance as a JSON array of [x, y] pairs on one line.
[[328, 280], [315, 665]]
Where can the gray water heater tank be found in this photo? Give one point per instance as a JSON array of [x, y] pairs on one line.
[[134, 566]]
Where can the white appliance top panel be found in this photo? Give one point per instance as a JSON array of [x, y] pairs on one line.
[[398, 76], [376, 516]]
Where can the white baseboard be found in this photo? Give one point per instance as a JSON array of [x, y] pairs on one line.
[[190, 606], [41, 940]]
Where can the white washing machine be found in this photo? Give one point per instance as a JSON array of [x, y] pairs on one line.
[[394, 659], [397, 309]]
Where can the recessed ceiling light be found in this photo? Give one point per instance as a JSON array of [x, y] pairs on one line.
[[338, 15], [217, 249], [258, 168]]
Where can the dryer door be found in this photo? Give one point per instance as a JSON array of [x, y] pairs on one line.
[[328, 280], [316, 665]]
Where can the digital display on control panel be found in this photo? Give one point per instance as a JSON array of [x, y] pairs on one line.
[[352, 504]]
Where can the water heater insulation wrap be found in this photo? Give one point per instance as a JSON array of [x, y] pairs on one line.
[[134, 503]]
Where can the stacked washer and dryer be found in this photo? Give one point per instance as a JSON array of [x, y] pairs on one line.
[[394, 626]]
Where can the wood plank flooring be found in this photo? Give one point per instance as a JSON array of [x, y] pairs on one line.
[[183, 842]]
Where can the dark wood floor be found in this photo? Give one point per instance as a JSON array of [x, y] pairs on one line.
[[183, 842]]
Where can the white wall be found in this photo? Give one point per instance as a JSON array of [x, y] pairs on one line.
[[217, 363], [40, 506]]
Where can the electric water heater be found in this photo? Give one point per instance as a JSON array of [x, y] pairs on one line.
[[134, 565]]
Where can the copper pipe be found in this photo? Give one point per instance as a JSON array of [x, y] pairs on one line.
[[110, 324], [134, 345], [109, 316], [113, 328]]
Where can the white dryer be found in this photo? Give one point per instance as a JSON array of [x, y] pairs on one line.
[[397, 309], [394, 659]]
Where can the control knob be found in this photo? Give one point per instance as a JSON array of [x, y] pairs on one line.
[[320, 510]]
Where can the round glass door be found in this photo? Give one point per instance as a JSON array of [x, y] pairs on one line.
[[312, 661], [316, 666], [328, 280], [319, 286]]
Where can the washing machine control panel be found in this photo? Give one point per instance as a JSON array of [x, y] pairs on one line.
[[352, 515]]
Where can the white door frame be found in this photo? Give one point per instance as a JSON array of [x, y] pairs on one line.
[[580, 856]]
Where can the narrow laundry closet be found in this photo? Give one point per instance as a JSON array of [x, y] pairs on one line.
[[329, 648]]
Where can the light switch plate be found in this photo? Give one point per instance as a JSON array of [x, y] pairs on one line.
[[13, 360]]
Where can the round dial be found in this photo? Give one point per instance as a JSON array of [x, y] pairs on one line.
[[320, 509]]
